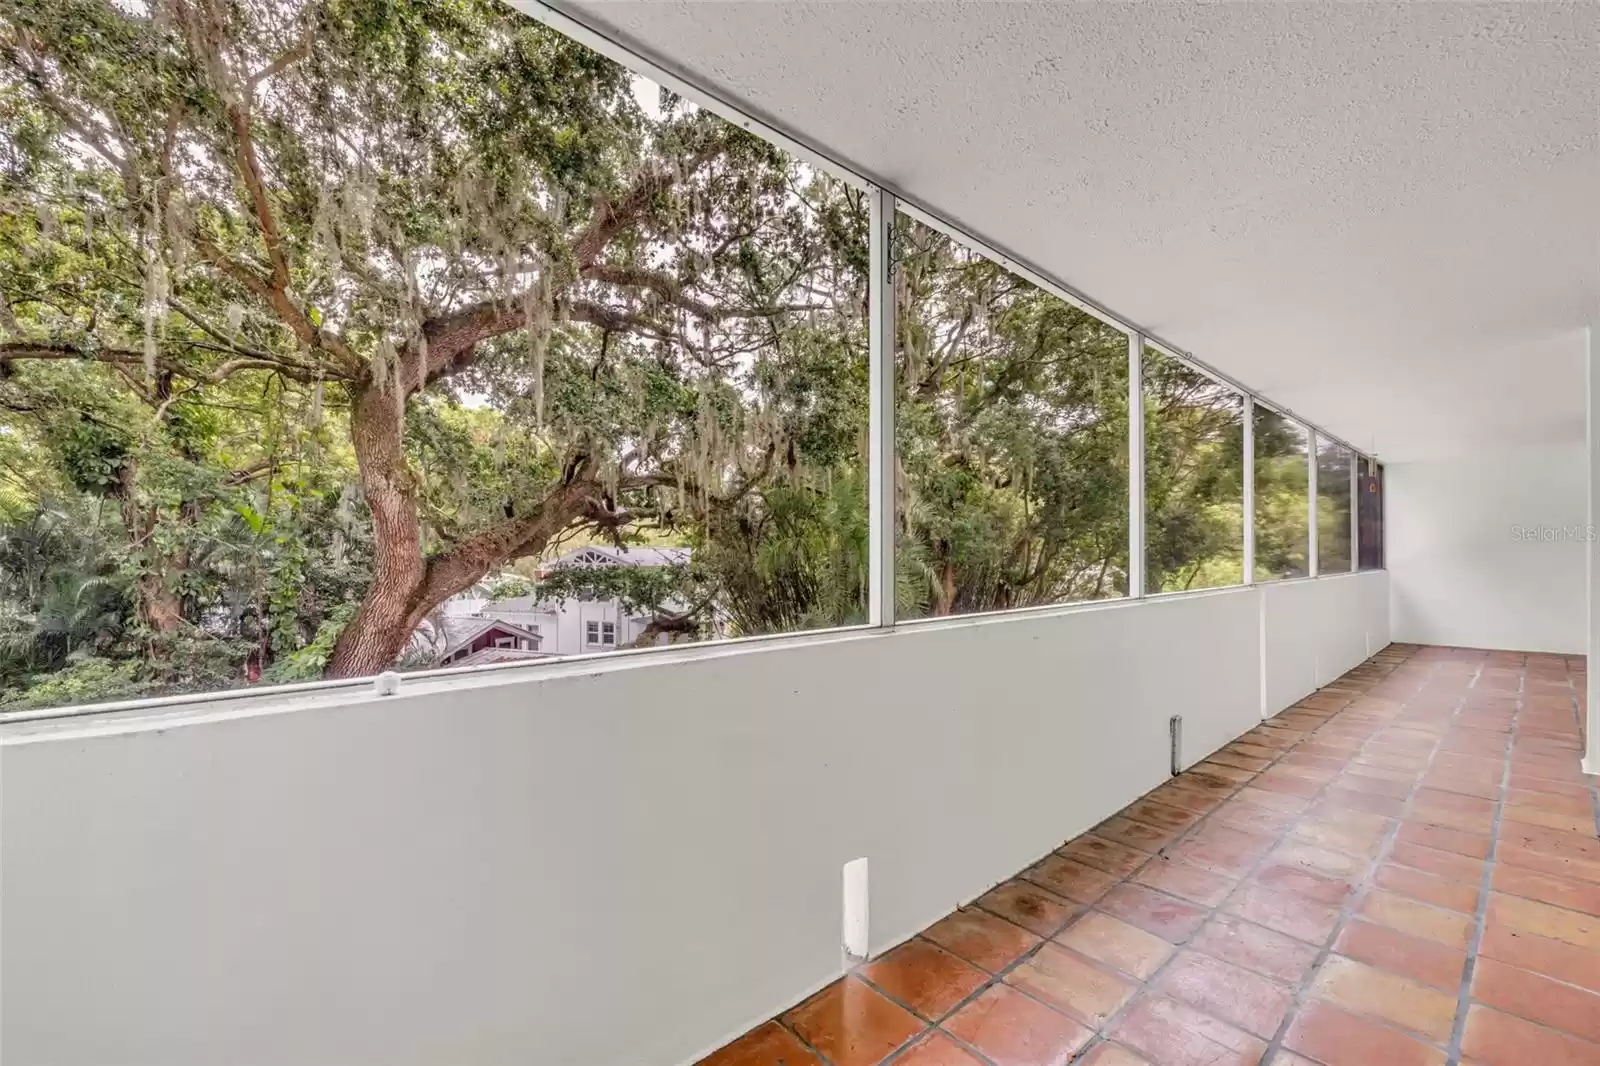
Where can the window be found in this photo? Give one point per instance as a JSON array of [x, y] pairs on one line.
[[575, 314], [704, 351], [1333, 507], [1012, 429], [1369, 508], [505, 642], [1193, 478], [1282, 506]]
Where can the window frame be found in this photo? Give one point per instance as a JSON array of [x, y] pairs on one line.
[[884, 202]]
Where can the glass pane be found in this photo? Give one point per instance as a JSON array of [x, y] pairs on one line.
[[1333, 508], [1193, 479], [1369, 506], [1282, 507], [1012, 413], [454, 327]]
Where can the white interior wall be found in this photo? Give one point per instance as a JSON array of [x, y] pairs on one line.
[[1313, 631], [620, 863], [1461, 574]]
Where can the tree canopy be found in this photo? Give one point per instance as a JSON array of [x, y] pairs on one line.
[[319, 312]]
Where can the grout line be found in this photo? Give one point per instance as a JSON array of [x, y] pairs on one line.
[[1365, 885], [792, 1031], [1210, 913], [1480, 918], [1148, 984], [1384, 665], [998, 977]]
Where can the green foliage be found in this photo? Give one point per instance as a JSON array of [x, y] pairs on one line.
[[317, 312], [640, 589], [88, 680], [1282, 497], [509, 587], [1194, 478], [307, 663], [1012, 435]]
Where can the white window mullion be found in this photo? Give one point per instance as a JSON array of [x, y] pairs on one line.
[[1355, 511], [1136, 538], [1249, 489], [1311, 500], [880, 402]]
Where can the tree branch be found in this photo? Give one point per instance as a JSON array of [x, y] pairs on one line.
[[64, 350], [470, 559], [24, 58], [249, 164], [278, 299], [288, 59], [289, 367], [611, 218], [663, 285], [223, 373]]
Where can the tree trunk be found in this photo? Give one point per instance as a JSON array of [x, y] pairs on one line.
[[377, 634], [405, 587], [157, 606], [945, 602]]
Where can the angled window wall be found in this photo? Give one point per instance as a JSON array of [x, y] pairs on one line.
[[391, 373]]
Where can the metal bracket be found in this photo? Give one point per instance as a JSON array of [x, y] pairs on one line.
[[897, 251]]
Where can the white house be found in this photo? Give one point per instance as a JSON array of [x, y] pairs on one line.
[[575, 626]]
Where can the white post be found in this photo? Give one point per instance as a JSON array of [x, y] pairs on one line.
[[1135, 466], [1311, 499], [1249, 489], [857, 913], [880, 410], [1591, 757]]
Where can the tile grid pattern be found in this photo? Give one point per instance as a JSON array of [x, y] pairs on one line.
[[1401, 869]]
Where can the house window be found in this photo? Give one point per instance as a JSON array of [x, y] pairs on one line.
[[505, 642], [592, 633], [608, 633]]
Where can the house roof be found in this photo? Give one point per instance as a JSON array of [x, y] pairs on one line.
[[591, 555], [477, 627], [636, 555], [485, 656]]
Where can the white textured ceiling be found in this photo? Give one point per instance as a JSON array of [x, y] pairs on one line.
[[1383, 215]]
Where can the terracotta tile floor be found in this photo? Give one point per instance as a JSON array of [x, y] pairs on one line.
[[1403, 868]]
